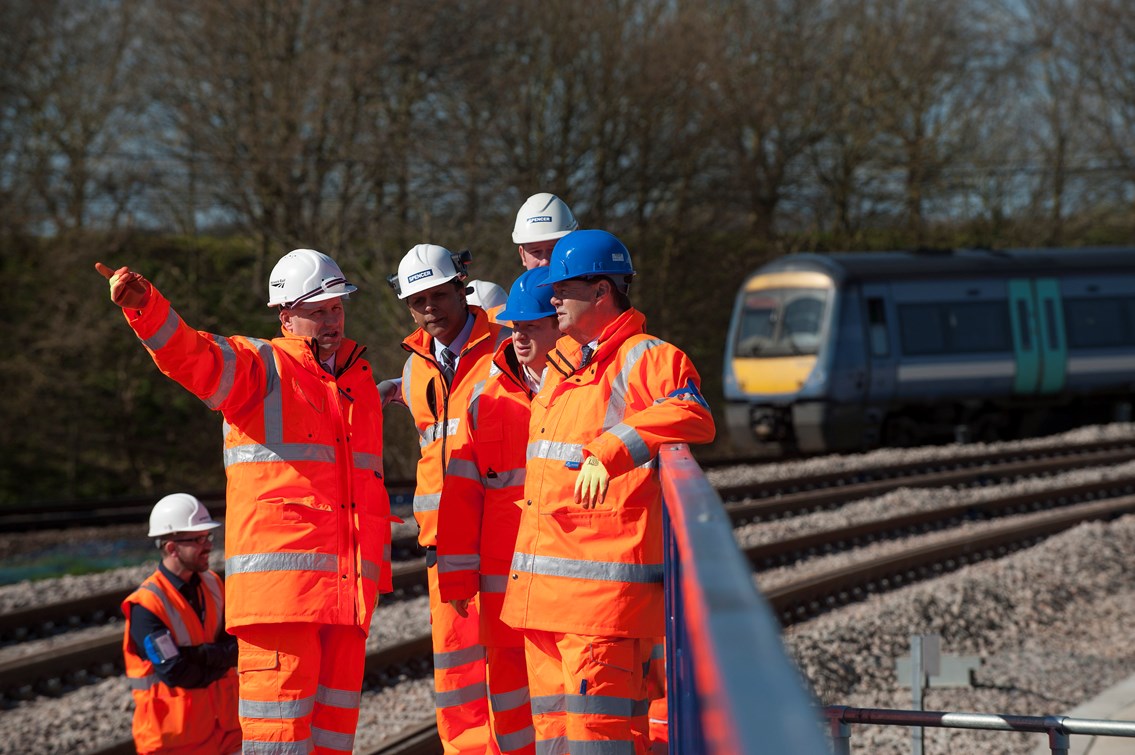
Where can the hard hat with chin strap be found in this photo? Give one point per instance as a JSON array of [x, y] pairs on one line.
[[529, 299], [305, 275], [543, 217], [179, 512], [426, 266], [584, 254]]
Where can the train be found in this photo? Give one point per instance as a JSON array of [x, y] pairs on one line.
[[847, 351]]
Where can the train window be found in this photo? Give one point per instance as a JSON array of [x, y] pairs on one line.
[[781, 322], [954, 327], [1099, 323], [877, 327]]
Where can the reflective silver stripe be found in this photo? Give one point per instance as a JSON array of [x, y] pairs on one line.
[[542, 704], [455, 658], [548, 449], [337, 698], [462, 696], [606, 705], [658, 652], [255, 453], [505, 479], [371, 570], [276, 709], [372, 462], [406, 384], [474, 404], [463, 468], [273, 405], [162, 335], [617, 402], [555, 746], [332, 740], [509, 700], [217, 591], [608, 747], [427, 502], [494, 582], [228, 373], [458, 562], [143, 682], [554, 566], [267, 562], [636, 446], [177, 626], [517, 740], [302, 747], [434, 431]]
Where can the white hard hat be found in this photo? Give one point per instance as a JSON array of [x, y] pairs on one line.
[[484, 294], [543, 217], [305, 275], [179, 512], [426, 266]]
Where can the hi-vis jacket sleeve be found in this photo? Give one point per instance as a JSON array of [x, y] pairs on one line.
[[661, 403], [459, 525], [204, 364]]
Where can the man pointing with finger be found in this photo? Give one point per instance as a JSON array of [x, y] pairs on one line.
[[308, 518], [585, 585]]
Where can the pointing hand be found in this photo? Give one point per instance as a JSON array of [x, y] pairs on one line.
[[128, 289]]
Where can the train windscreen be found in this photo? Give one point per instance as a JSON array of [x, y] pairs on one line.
[[777, 322]]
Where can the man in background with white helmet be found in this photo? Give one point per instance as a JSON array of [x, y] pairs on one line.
[[450, 353], [308, 517], [540, 221], [180, 661]]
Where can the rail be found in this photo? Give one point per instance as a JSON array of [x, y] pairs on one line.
[[1058, 728], [732, 688]]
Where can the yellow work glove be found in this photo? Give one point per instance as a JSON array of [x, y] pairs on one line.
[[128, 289], [591, 484]]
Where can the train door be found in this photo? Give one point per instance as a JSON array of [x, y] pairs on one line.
[[879, 382], [1053, 348], [1038, 335], [1022, 315]]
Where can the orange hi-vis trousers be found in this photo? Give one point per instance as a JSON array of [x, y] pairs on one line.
[[510, 711], [461, 701], [299, 687], [656, 690], [588, 689]]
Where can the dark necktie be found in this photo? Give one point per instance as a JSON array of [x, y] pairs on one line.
[[448, 361], [586, 356]]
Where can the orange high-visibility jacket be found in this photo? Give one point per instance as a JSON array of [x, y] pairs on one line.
[[168, 717], [439, 409], [484, 480], [307, 524], [599, 571]]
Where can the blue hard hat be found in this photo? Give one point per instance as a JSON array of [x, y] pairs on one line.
[[590, 252], [529, 298]]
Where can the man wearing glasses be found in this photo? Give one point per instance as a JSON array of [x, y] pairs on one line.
[[180, 661]]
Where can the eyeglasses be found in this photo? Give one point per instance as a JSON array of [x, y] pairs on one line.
[[199, 540]]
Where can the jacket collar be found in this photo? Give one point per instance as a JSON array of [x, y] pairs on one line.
[[567, 354]]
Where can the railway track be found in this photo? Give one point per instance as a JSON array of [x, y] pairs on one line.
[[1055, 509]]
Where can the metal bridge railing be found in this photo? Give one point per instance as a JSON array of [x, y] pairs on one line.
[[731, 688], [1058, 728]]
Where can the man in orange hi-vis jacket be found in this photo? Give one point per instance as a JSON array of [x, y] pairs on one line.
[[478, 515], [585, 585], [450, 354], [307, 530]]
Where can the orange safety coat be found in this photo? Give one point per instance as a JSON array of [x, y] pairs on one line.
[[485, 479], [599, 571], [439, 410], [175, 717], [307, 525]]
